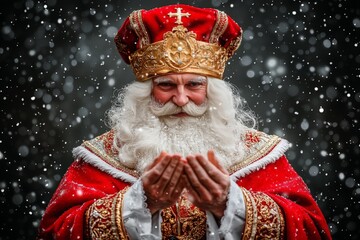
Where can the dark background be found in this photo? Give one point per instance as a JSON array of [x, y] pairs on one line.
[[298, 68]]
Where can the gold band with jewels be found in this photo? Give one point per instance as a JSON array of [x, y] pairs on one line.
[[180, 52]]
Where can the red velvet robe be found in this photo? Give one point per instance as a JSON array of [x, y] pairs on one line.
[[87, 203]]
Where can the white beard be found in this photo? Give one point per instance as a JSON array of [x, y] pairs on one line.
[[141, 135], [185, 136]]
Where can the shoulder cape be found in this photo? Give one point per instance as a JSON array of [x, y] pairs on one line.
[[261, 149]]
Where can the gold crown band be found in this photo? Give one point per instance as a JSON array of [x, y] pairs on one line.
[[180, 52]]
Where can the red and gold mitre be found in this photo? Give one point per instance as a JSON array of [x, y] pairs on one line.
[[178, 39]]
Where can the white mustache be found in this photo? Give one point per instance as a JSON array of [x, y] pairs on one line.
[[170, 108]]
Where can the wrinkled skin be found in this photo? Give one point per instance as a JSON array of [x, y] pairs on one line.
[[207, 183]]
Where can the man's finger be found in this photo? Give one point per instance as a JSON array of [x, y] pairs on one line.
[[215, 162], [157, 160], [176, 176], [198, 178], [154, 173], [215, 174], [167, 174]]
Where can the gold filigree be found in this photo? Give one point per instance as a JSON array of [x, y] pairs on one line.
[[264, 219], [183, 221], [104, 218], [179, 52]]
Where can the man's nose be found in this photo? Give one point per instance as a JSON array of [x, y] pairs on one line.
[[180, 98]]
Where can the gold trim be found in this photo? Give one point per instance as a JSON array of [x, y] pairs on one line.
[[118, 214], [257, 147], [250, 216], [87, 223], [104, 218], [219, 27], [110, 159], [102, 146], [100, 219], [137, 24], [264, 218], [234, 45], [179, 52]]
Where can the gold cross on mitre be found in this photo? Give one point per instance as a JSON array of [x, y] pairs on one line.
[[178, 15]]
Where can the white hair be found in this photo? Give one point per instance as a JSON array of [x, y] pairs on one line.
[[140, 135]]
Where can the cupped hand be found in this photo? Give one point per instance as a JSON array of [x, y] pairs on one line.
[[162, 181], [207, 182]]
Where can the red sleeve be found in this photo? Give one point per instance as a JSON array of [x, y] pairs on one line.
[[278, 181], [81, 186]]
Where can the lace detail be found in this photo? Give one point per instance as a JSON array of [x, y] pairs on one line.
[[136, 215], [234, 215], [144, 198], [227, 210]]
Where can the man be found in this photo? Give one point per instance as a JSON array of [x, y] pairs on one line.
[[182, 159]]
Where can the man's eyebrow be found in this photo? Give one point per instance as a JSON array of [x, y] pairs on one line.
[[199, 79], [162, 79]]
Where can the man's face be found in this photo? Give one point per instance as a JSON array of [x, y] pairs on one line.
[[180, 89]]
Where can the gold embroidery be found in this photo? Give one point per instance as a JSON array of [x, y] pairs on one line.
[[104, 219], [219, 27], [179, 52], [234, 45], [138, 25], [87, 223], [264, 219], [252, 138], [183, 221], [118, 215], [258, 145], [102, 146], [108, 142], [250, 216]]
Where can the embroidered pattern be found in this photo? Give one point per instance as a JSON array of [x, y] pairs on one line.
[[258, 145], [219, 27], [264, 219], [102, 146], [138, 25], [251, 138], [104, 218], [183, 221], [179, 51], [234, 45]]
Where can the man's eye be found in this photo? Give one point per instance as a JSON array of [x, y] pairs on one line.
[[165, 84], [194, 84]]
